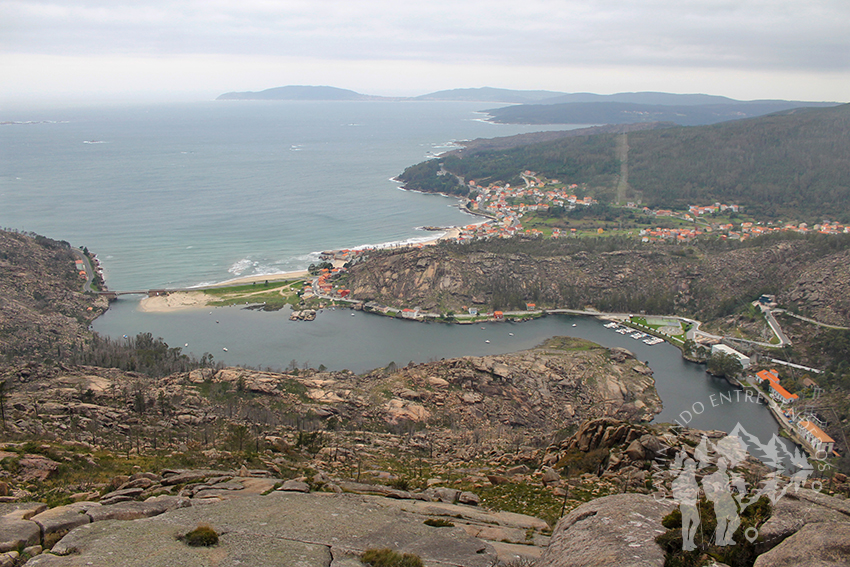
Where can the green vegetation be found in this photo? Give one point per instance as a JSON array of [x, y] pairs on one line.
[[588, 159], [428, 176], [570, 344], [522, 498], [608, 112], [142, 353], [790, 163], [386, 557], [724, 365], [272, 295], [742, 554], [202, 536], [438, 523]]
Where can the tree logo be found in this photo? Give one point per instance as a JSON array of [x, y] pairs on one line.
[[725, 490]]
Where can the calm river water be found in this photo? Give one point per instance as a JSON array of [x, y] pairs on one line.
[[363, 342]]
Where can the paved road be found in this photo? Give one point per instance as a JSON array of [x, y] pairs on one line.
[[87, 286], [828, 326], [777, 330]]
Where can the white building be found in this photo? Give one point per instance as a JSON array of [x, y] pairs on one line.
[[816, 437], [729, 351]]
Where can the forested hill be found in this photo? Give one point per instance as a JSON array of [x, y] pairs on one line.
[[794, 163], [627, 112]]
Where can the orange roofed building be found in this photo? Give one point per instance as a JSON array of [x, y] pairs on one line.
[[769, 375], [816, 437], [782, 395]]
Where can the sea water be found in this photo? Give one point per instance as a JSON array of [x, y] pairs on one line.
[[180, 195], [185, 194]]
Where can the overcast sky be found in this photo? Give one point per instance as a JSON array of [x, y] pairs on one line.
[[197, 49]]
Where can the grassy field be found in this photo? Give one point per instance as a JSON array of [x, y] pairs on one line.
[[273, 295]]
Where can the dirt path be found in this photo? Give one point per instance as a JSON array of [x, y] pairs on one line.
[[623, 156]]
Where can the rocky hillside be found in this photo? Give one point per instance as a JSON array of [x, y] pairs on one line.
[[43, 310], [495, 401], [610, 485], [699, 279]]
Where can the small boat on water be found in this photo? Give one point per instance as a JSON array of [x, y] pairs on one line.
[[224, 349], [487, 341], [574, 325]]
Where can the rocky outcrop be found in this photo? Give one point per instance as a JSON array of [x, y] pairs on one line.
[[317, 529], [659, 278], [44, 312], [471, 406], [822, 288], [797, 509], [615, 530], [815, 545]]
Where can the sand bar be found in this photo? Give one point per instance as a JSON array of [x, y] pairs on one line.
[[282, 276], [181, 300], [176, 301]]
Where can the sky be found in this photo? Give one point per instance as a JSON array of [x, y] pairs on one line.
[[197, 49]]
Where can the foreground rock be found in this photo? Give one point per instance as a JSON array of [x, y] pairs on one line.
[[282, 528], [815, 545], [615, 530]]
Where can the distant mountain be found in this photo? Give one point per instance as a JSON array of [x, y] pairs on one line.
[[690, 113], [299, 92], [667, 99], [551, 107], [489, 94]]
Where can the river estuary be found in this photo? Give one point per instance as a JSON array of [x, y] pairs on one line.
[[342, 338]]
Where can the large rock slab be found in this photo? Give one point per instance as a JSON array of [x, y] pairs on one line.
[[793, 511], [615, 530], [473, 514], [815, 545], [162, 549], [136, 510], [16, 529], [281, 528], [56, 522]]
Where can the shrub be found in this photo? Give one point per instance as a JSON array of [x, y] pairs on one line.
[[399, 484], [438, 523], [388, 558], [202, 536]]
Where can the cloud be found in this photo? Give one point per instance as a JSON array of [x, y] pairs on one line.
[[782, 36], [747, 33]]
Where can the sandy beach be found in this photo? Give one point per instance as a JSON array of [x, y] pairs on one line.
[[174, 302], [180, 300], [299, 275]]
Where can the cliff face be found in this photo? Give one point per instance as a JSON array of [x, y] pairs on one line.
[[823, 288], [656, 279], [43, 311]]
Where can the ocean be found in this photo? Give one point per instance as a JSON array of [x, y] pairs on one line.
[[187, 194]]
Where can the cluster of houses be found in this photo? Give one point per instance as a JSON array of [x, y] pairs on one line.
[[804, 425], [698, 210], [325, 285], [508, 205], [730, 231]]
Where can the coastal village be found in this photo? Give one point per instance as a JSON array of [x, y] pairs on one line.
[[505, 209], [507, 206]]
